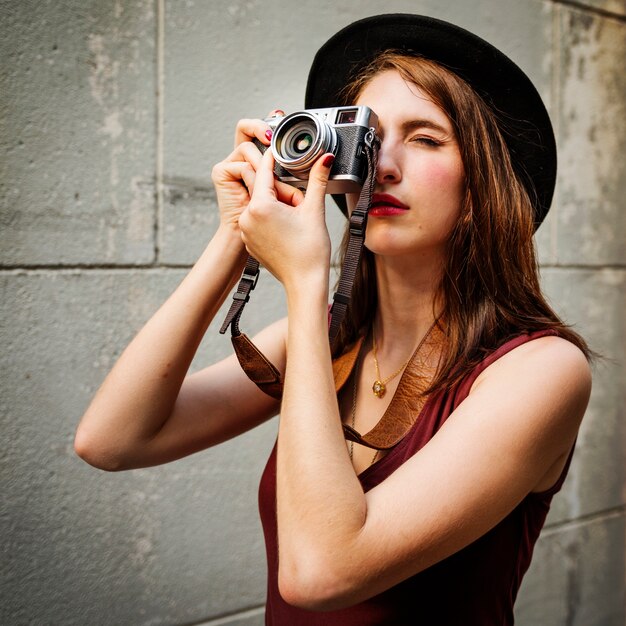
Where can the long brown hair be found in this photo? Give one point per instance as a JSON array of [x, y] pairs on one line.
[[489, 291]]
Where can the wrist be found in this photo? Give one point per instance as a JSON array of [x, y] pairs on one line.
[[223, 258], [308, 298], [227, 244], [310, 286], [229, 234]]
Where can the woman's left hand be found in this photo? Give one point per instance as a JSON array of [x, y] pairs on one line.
[[289, 239]]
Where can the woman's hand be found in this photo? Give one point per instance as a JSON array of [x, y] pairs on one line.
[[287, 233], [234, 177]]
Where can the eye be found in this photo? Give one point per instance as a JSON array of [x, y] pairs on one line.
[[426, 141]]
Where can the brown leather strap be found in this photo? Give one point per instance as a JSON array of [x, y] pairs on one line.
[[267, 377], [258, 369], [404, 408], [344, 364], [409, 398]]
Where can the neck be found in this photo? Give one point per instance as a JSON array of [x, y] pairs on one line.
[[406, 301]]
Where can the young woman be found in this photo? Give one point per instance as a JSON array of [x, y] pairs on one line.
[[448, 343]]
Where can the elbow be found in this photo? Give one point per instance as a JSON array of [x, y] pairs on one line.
[[315, 587], [96, 455]]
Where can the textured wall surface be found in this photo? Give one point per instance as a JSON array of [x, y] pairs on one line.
[[112, 114]]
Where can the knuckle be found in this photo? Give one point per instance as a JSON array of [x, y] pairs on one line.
[[248, 173], [244, 224], [216, 171], [258, 209], [243, 123], [255, 209], [248, 149]]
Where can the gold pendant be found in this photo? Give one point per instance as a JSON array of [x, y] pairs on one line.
[[379, 388]]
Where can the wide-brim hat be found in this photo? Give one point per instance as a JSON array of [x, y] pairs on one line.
[[498, 80]]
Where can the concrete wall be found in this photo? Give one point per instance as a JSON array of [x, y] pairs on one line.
[[112, 114]]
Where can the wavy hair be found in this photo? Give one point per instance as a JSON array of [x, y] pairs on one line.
[[489, 291]]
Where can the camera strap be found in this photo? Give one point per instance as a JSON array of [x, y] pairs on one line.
[[358, 225], [256, 366], [247, 283]]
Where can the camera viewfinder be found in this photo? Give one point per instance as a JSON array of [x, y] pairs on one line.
[[346, 117]]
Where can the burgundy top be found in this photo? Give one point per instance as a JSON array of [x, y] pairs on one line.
[[476, 586]]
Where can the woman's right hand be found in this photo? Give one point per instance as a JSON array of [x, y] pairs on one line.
[[234, 177]]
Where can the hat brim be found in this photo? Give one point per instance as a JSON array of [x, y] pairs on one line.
[[498, 80]]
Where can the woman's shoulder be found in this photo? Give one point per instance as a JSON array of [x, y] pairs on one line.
[[546, 365], [541, 348]]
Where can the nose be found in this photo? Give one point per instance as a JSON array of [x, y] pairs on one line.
[[388, 170]]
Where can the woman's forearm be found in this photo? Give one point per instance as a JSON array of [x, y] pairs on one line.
[[139, 393], [320, 500]]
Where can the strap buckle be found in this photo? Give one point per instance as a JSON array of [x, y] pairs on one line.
[[251, 278], [341, 298], [358, 222], [247, 283]]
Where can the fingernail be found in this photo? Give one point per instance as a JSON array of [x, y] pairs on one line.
[[268, 134], [329, 159], [277, 113]]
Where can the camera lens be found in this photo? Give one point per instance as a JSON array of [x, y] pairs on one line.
[[302, 142], [300, 139]]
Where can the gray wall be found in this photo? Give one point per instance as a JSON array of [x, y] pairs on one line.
[[112, 114]]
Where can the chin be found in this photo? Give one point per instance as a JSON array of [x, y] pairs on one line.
[[387, 246]]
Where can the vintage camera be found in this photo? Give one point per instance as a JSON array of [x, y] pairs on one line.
[[300, 138]]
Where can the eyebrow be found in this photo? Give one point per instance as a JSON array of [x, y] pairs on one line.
[[411, 125]]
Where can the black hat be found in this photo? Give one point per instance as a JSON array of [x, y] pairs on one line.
[[499, 81]]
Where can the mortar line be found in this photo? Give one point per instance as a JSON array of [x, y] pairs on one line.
[[583, 520], [228, 618], [581, 6], [160, 104]]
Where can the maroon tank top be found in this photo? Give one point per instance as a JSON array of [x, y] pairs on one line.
[[476, 586]]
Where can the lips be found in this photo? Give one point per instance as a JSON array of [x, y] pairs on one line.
[[384, 204]]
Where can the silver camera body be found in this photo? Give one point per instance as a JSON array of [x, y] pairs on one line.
[[300, 138]]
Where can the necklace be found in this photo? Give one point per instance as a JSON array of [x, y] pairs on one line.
[[379, 388], [380, 383]]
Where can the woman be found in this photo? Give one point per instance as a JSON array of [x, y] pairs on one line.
[[448, 341]]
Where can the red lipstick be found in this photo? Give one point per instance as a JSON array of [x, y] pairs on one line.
[[384, 205]]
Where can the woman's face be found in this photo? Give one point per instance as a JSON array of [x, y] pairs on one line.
[[420, 179]]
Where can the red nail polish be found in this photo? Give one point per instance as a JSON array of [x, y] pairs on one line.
[[268, 134], [329, 159]]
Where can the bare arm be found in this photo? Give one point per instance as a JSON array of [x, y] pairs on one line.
[[510, 437], [146, 412]]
